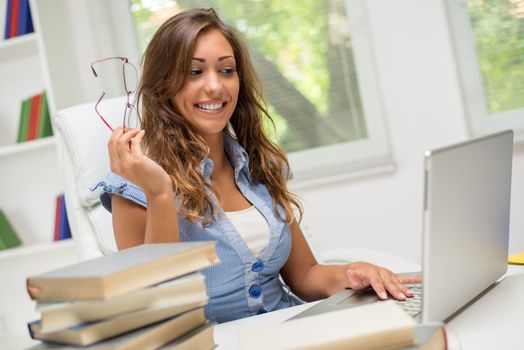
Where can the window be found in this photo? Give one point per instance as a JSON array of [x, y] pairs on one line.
[[315, 60], [489, 45]]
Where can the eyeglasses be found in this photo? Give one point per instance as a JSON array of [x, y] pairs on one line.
[[131, 118]]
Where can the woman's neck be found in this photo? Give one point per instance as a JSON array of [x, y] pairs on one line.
[[216, 152]]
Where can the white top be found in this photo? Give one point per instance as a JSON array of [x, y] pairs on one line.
[[252, 227]]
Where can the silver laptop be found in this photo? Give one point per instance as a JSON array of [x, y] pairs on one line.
[[467, 189]]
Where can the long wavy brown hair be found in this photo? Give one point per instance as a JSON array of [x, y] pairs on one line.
[[174, 143]]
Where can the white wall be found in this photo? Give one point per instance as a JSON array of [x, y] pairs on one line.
[[423, 106]]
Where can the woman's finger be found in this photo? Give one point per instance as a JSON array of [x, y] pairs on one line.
[[123, 144], [409, 279], [392, 284], [136, 149], [112, 148], [377, 285], [355, 280]]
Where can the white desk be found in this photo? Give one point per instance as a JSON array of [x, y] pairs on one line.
[[495, 321]]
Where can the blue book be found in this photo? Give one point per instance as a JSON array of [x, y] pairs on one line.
[[25, 22], [8, 18], [64, 231]]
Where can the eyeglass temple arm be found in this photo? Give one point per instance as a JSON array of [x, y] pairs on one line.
[[98, 112]]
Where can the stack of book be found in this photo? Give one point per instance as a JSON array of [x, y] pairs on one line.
[[35, 121], [18, 19], [144, 297]]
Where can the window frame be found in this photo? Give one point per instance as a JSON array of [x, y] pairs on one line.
[[353, 156], [480, 120]]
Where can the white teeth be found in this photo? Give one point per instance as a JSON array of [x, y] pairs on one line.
[[210, 106]]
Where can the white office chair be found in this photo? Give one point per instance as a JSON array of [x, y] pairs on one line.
[[82, 145]]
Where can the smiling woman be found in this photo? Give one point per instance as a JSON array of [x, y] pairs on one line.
[[203, 169]]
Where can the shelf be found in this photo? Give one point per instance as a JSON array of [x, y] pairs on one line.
[[19, 46], [36, 248], [27, 147]]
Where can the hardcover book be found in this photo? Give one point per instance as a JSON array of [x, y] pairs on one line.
[[25, 22], [8, 236], [381, 325], [122, 272], [189, 330], [23, 126], [183, 290], [44, 122], [91, 333]]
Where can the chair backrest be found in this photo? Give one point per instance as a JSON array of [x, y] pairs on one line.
[[82, 144]]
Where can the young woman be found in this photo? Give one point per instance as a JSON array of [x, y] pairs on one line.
[[201, 168]]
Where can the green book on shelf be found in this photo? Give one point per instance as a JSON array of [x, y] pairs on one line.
[[44, 125], [23, 126], [8, 236]]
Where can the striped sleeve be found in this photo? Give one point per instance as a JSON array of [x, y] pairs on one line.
[[115, 184]]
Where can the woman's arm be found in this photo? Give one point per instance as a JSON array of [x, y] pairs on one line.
[[310, 280], [133, 224]]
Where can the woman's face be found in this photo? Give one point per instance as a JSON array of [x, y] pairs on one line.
[[210, 93]]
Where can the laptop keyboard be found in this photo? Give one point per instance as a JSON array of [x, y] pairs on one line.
[[412, 306]]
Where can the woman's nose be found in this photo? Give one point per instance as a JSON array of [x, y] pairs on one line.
[[213, 85]]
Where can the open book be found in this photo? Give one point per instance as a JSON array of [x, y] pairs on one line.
[[381, 325]]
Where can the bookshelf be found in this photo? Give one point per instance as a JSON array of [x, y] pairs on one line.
[[54, 58], [30, 176]]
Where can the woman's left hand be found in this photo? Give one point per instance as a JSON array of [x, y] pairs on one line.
[[362, 275]]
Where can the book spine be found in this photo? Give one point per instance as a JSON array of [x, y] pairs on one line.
[[2, 244], [13, 25], [25, 23], [8, 18], [58, 210], [65, 231], [44, 125], [24, 121], [7, 232], [35, 116]]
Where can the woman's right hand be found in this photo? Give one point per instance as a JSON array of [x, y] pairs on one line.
[[127, 160]]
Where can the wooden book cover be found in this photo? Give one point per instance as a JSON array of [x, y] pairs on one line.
[[127, 270], [180, 291], [380, 325]]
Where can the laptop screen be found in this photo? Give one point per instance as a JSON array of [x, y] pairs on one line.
[[466, 222]]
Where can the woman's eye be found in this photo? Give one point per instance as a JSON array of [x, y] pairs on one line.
[[195, 72], [228, 70]]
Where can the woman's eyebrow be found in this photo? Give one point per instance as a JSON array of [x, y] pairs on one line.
[[221, 58]]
